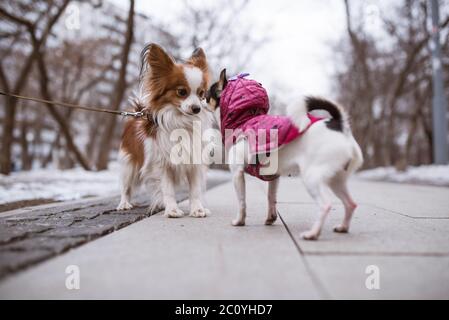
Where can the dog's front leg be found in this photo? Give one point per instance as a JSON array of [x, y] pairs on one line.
[[195, 177], [168, 194], [272, 198], [238, 158], [240, 189]]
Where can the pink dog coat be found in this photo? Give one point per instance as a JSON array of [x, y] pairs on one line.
[[243, 108]]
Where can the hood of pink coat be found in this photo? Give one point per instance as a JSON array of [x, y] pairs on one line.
[[241, 100]]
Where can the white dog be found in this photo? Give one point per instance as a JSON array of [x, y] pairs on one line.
[[325, 152]]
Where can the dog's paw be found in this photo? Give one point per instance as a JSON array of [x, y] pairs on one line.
[[199, 213], [124, 205], [270, 220], [341, 229], [238, 223], [173, 213], [310, 235]]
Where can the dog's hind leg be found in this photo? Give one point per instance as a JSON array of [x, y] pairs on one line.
[[128, 176], [338, 184], [315, 183], [272, 198]]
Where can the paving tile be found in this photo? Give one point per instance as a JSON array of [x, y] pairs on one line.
[[186, 258], [345, 277], [410, 200]]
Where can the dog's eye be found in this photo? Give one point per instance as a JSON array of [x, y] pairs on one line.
[[201, 93], [182, 92]]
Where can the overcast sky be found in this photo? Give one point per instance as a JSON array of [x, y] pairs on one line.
[[298, 58]]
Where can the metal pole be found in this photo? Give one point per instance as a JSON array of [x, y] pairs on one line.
[[439, 102]]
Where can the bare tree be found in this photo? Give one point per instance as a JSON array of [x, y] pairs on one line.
[[118, 93], [98, 66], [63, 125], [217, 28], [21, 80], [387, 88]]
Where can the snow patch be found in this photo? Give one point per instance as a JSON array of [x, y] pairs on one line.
[[59, 185], [64, 185], [437, 175]]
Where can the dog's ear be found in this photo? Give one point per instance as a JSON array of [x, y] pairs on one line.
[[158, 61], [214, 93], [223, 81], [198, 59]]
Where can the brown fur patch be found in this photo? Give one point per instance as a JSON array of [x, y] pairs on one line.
[[161, 78], [134, 135], [163, 87], [164, 76], [198, 59]]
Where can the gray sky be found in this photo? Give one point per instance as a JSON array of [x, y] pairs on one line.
[[298, 58]]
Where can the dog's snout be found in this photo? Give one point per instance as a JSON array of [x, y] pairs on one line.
[[196, 108]]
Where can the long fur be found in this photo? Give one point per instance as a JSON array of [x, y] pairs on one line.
[[146, 145], [157, 151], [338, 122]]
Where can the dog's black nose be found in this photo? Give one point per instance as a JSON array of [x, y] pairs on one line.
[[196, 109]]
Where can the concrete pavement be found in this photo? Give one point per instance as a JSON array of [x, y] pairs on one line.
[[34, 234], [401, 230]]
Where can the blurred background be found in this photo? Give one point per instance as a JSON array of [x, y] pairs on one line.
[[373, 57]]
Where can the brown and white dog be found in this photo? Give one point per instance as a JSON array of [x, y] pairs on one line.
[[173, 96]]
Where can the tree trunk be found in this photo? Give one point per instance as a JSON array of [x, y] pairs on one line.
[[93, 137], [63, 125], [8, 131], [119, 91], [11, 103], [25, 153]]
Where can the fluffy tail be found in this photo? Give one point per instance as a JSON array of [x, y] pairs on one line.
[[338, 121]]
